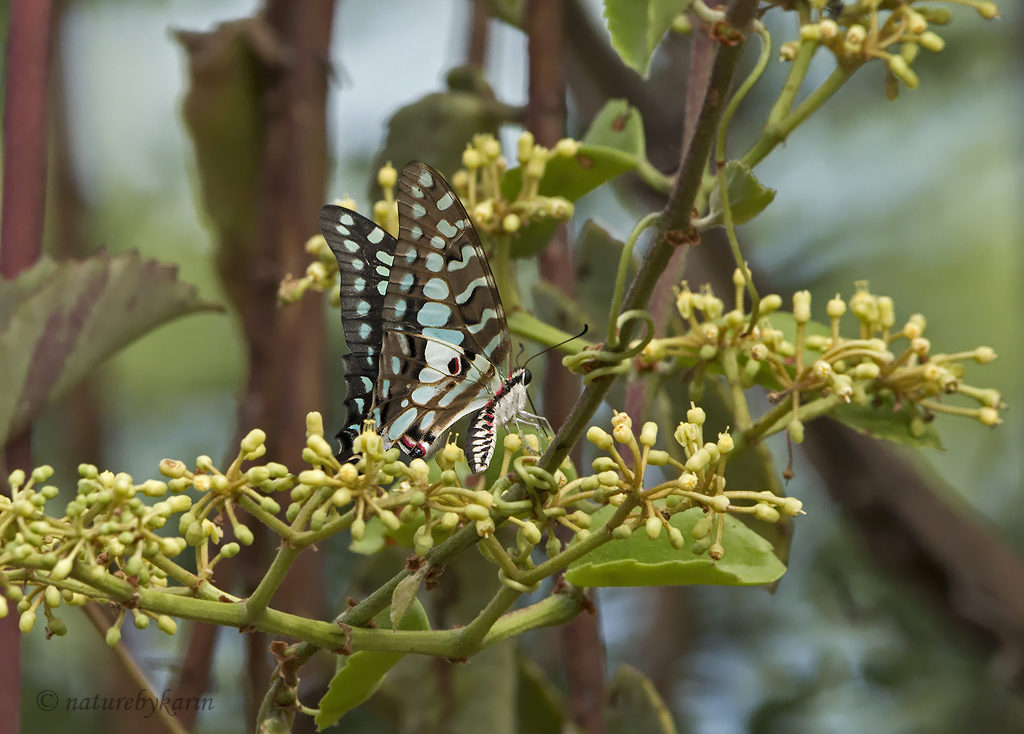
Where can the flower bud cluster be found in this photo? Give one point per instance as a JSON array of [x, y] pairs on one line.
[[322, 273], [892, 32], [693, 477], [878, 362], [479, 183], [107, 528]]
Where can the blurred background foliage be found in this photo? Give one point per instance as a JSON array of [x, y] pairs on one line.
[[921, 196]]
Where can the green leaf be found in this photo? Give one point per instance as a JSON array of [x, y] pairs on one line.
[[59, 320], [618, 125], [570, 178], [640, 561], [634, 705], [436, 127], [747, 196], [360, 674], [884, 422], [405, 594], [637, 27], [539, 705]]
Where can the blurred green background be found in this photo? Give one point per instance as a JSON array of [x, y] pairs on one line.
[[921, 196]]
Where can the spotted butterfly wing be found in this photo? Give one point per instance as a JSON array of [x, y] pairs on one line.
[[445, 337], [424, 324], [364, 253]]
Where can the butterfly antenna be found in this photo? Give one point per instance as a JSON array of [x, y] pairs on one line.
[[556, 346]]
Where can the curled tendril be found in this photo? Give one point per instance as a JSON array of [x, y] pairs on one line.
[[614, 362], [516, 585], [532, 475]]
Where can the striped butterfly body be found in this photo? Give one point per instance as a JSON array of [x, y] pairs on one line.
[[424, 325]]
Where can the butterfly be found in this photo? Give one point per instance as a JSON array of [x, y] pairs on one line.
[[424, 325]]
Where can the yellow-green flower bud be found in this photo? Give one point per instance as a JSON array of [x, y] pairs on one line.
[[319, 445], [89, 471], [656, 457], [62, 569], [787, 52], [649, 434], [987, 10], [796, 431], [580, 519], [802, 307], [622, 532], [984, 355], [219, 483], [719, 503], [348, 473], [866, 371], [653, 527], [810, 32], [422, 540], [931, 41], [140, 619], [698, 460], [113, 636], [253, 440], [358, 529], [42, 473], [341, 497], [27, 621], [390, 520], [476, 512], [471, 158], [449, 520], [989, 416], [599, 437], [511, 223], [836, 307], [791, 506], [769, 304], [524, 147], [166, 624], [725, 442], [766, 512], [244, 534], [695, 415], [531, 532], [701, 528], [491, 148], [312, 478], [608, 478], [387, 176], [52, 596], [566, 148], [902, 71], [675, 538]]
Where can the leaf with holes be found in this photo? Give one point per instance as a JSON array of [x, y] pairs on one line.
[[59, 320], [618, 125], [637, 27], [640, 561]]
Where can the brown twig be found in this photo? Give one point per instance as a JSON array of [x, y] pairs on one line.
[[21, 232]]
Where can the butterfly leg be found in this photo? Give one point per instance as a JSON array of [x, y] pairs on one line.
[[538, 422]]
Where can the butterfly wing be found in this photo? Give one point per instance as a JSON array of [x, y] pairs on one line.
[[365, 253], [444, 325]]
